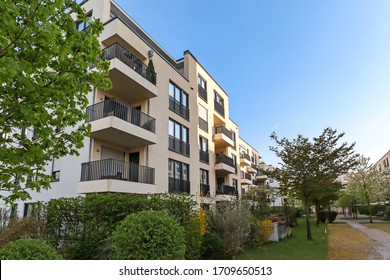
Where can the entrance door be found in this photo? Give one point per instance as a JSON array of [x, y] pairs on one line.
[[134, 167]]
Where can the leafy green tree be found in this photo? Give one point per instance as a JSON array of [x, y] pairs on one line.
[[28, 249], [45, 77], [366, 180], [307, 164]]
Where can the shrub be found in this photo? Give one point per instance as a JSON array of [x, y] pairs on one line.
[[29, 227], [387, 213], [213, 247], [231, 220], [264, 231], [148, 235], [331, 216], [322, 216], [28, 249]]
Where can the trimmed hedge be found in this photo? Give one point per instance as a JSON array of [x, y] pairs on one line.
[[148, 235], [28, 249]]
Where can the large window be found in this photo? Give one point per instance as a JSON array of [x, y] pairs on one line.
[[203, 124], [178, 101], [178, 173], [202, 88], [204, 182], [83, 25], [219, 104], [178, 138], [203, 149]]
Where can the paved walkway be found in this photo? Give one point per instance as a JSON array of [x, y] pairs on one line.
[[378, 235]]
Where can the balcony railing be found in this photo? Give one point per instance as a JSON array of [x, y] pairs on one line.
[[221, 158], [246, 156], [204, 125], [113, 107], [124, 55], [117, 170], [221, 129], [178, 186], [202, 93], [203, 156], [246, 176], [179, 108], [179, 146], [224, 189], [254, 166], [205, 189]]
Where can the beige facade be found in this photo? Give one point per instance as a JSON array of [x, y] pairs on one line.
[[383, 165], [172, 135]]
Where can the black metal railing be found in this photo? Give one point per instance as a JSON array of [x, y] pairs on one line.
[[204, 125], [219, 108], [221, 158], [225, 189], [202, 92], [203, 156], [246, 156], [254, 166], [205, 189], [179, 146], [116, 108], [179, 108], [178, 186], [221, 129], [117, 170], [246, 176], [124, 55]]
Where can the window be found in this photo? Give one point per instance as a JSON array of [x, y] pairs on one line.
[[219, 104], [56, 175], [30, 209], [178, 101], [203, 124], [204, 177], [178, 138], [83, 25], [34, 176], [235, 183], [203, 149], [178, 173], [202, 88], [234, 158]]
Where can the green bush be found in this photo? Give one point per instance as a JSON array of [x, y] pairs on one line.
[[331, 215], [322, 216], [387, 213], [148, 235], [28, 249], [213, 247]]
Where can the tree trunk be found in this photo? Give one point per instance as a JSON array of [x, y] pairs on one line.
[[317, 205], [308, 228], [369, 208]]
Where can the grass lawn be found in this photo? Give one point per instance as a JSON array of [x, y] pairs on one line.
[[381, 226], [346, 243], [295, 247]]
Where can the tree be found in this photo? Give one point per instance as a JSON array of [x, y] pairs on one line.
[[45, 78], [366, 180], [306, 165]]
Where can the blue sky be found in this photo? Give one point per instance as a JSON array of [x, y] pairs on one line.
[[293, 67]]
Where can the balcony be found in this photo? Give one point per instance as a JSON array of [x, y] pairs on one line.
[[251, 169], [110, 175], [224, 165], [245, 159], [179, 108], [129, 75], [203, 125], [204, 189], [223, 137], [179, 146], [178, 186], [246, 179], [115, 122], [261, 177], [226, 190], [202, 92], [203, 156], [219, 108]]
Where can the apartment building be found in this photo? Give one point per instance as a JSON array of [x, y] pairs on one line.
[[155, 131], [383, 164]]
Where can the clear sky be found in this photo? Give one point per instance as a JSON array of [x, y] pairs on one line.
[[293, 67]]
